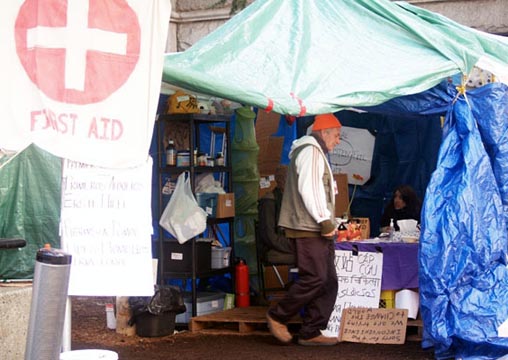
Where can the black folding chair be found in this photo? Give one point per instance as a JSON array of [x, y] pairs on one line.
[[271, 258]]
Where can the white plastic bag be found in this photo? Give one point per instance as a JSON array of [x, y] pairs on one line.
[[182, 217]]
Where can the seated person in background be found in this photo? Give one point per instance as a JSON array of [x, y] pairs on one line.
[[404, 204], [272, 236]]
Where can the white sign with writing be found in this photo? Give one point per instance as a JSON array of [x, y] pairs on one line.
[[106, 226], [353, 155], [359, 276]]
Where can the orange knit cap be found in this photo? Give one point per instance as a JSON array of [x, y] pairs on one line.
[[325, 121]]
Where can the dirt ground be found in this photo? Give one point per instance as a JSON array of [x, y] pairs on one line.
[[89, 331]]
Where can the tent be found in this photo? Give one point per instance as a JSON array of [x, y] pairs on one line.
[[30, 184], [302, 58]]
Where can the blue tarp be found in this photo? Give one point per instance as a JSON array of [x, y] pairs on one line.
[[463, 274]]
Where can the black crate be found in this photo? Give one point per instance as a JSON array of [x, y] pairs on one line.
[[178, 257]]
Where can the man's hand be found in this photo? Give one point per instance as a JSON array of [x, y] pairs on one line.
[[332, 234]]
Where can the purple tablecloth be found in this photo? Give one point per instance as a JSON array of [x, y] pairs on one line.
[[400, 262]]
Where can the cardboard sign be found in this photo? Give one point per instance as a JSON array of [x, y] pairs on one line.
[[373, 326], [342, 197], [359, 276]]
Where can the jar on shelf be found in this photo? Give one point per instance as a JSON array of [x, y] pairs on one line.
[[219, 160], [201, 159], [183, 158]]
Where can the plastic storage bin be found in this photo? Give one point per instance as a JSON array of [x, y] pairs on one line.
[[206, 303], [179, 256], [387, 299], [220, 257]]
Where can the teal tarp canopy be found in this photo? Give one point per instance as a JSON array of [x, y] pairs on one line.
[[306, 57]]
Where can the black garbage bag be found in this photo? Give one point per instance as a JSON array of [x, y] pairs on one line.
[[167, 298]]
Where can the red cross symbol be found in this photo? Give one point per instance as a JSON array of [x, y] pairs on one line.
[[77, 51]]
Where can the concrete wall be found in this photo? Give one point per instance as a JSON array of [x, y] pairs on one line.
[[486, 15], [193, 19], [15, 305]]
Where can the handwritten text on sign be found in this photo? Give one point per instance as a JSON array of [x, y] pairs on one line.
[[106, 226], [359, 276], [374, 326]]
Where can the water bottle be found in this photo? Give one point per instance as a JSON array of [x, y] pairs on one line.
[[110, 316], [391, 231]]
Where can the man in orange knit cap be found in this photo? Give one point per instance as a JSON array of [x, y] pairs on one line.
[[307, 216]]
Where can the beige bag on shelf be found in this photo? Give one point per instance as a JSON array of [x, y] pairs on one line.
[[182, 103]]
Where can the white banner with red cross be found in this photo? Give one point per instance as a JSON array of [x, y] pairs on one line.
[[81, 78]]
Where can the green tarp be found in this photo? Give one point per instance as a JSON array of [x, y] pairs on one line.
[[30, 185], [307, 57]]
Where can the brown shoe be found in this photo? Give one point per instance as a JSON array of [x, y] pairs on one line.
[[319, 340], [279, 330]]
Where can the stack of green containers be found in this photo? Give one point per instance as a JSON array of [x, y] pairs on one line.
[[244, 156]]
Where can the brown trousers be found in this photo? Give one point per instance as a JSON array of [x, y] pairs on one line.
[[315, 290]]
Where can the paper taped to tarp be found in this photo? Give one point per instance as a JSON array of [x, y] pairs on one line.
[[353, 155]]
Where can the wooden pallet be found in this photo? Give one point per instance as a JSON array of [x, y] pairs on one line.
[[244, 321], [252, 321], [418, 323]]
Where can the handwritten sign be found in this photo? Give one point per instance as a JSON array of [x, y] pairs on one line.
[[106, 226], [359, 276], [353, 155], [374, 326]]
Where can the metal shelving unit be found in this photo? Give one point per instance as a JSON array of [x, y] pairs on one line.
[[194, 123]]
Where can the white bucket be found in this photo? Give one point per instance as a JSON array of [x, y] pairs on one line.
[[89, 354]]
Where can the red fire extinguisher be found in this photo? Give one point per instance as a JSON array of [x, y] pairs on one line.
[[242, 284]]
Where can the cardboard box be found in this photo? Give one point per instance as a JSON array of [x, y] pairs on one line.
[[342, 198], [217, 205], [270, 153], [266, 184], [270, 147], [225, 205]]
